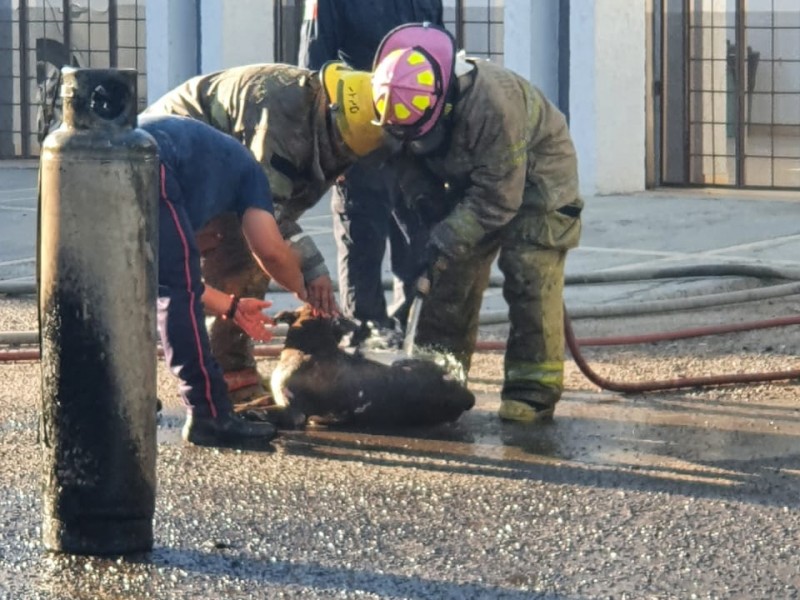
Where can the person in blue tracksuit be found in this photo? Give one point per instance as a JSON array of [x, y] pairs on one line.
[[364, 203], [205, 173]]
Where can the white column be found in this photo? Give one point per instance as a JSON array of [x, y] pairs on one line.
[[236, 33], [530, 44], [171, 27], [211, 19], [607, 94]]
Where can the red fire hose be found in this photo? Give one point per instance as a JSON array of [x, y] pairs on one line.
[[575, 345], [669, 384]]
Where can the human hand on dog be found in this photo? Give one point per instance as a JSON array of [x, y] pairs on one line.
[[250, 318], [321, 296]]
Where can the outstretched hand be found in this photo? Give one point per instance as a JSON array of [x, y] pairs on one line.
[[250, 318]]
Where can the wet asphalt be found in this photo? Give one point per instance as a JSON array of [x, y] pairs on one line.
[[618, 498], [657, 496]]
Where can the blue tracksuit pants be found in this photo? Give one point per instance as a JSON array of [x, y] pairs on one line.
[[181, 322]]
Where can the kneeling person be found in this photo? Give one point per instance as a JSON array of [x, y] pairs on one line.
[[205, 173]]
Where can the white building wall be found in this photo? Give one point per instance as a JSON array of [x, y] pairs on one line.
[[607, 94], [236, 33], [232, 33], [171, 27], [212, 14], [607, 81], [531, 42]]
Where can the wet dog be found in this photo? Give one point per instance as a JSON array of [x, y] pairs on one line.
[[333, 384]]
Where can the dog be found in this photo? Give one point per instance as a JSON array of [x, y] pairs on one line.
[[335, 385]]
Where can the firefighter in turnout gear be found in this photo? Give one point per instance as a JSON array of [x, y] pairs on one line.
[[503, 182], [290, 119], [364, 203]]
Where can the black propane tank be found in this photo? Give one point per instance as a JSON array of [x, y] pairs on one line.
[[97, 248]]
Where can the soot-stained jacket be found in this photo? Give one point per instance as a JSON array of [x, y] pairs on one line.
[[509, 149]]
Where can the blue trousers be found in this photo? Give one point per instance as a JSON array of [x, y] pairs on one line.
[[181, 322]]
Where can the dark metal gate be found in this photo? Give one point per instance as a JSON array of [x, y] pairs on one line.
[[476, 24], [730, 93], [40, 36]]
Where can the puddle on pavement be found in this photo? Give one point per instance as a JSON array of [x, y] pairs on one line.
[[689, 438]]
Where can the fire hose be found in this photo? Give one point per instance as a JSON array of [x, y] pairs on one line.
[[574, 344]]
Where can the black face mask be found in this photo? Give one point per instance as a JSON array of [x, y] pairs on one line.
[[438, 138], [430, 142], [434, 141]]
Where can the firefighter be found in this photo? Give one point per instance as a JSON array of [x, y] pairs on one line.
[[504, 184], [363, 200], [205, 173], [293, 122]]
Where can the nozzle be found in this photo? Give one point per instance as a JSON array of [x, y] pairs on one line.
[[423, 285]]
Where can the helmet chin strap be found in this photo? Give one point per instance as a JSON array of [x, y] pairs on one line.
[[463, 65], [368, 133]]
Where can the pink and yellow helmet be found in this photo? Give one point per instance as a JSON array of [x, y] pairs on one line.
[[413, 72]]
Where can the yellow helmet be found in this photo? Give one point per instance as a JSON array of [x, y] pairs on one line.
[[349, 93]]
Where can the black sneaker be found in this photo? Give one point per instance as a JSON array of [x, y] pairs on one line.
[[283, 417], [228, 431]]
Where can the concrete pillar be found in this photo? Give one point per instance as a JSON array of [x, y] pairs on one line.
[[607, 94], [236, 33], [171, 45], [531, 42], [211, 35]]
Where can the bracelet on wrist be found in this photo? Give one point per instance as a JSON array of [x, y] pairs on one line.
[[233, 308]]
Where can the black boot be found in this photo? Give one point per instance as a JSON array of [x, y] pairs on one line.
[[228, 431], [283, 417]]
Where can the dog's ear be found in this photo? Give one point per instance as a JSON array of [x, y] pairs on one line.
[[344, 325], [357, 330], [286, 316]]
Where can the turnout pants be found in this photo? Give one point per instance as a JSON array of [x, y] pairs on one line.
[[531, 252]]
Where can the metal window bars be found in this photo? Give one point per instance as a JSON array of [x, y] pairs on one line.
[[742, 84], [40, 36]]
